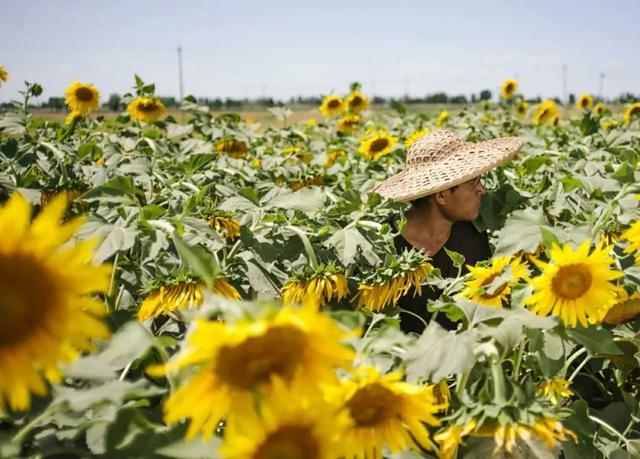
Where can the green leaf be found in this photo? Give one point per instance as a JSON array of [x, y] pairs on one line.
[[115, 190], [197, 260], [306, 199], [521, 232], [346, 243], [194, 449], [120, 238], [456, 258], [89, 149], [595, 339], [584, 429]]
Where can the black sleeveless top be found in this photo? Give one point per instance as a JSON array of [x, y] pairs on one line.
[[464, 239]]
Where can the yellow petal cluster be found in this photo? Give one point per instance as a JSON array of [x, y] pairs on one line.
[[508, 89], [481, 277], [546, 113], [146, 109], [229, 227], [555, 390], [81, 97], [232, 148], [318, 290]]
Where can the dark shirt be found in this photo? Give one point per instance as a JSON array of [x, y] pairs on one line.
[[464, 239]]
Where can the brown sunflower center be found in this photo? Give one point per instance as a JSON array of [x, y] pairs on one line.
[[290, 442], [84, 94], [509, 88], [148, 106], [572, 281], [497, 291], [372, 405], [355, 101], [584, 102], [279, 352], [333, 103], [378, 145], [28, 298], [634, 111]]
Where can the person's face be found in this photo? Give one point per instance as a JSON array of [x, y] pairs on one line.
[[463, 201]]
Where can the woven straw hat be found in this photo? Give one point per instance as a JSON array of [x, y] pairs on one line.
[[440, 160]]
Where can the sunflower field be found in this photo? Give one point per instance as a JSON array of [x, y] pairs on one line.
[[220, 288]]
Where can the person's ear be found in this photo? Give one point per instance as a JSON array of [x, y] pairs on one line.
[[440, 198]]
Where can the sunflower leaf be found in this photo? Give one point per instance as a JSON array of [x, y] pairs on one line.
[[197, 260]]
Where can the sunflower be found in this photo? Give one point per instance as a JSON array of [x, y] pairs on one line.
[[293, 423], [385, 412], [521, 107], [377, 296], [585, 101], [508, 89], [348, 123], [318, 290], [81, 97], [146, 109], [555, 390], [233, 148], [442, 118], [546, 113], [576, 286], [450, 438], [233, 360], [73, 117], [610, 124], [376, 144], [4, 75], [332, 105], [632, 235], [332, 157], [630, 112], [184, 294], [415, 136], [356, 101], [48, 314], [598, 109], [310, 123], [481, 278], [626, 309], [226, 225]]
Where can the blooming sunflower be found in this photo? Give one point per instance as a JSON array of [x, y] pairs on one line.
[[585, 101], [232, 148], [184, 294], [146, 109], [632, 235], [598, 109], [348, 123], [294, 422], [318, 290], [385, 412], [482, 277], [4, 75], [226, 225], [546, 113], [415, 136], [625, 310], [377, 296], [576, 286], [376, 144], [47, 313], [234, 359], [332, 157], [610, 123], [521, 107], [356, 101], [442, 118], [332, 105], [81, 97], [631, 111], [508, 89], [73, 117], [555, 390]]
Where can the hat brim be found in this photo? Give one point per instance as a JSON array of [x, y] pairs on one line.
[[465, 163]]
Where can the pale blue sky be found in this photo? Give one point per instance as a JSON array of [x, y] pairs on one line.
[[281, 48]]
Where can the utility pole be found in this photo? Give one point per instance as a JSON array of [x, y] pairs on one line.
[[601, 85], [564, 84], [181, 94]]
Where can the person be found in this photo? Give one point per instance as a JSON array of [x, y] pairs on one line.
[[441, 181]]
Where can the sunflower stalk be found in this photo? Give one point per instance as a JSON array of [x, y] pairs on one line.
[[313, 260], [497, 378]]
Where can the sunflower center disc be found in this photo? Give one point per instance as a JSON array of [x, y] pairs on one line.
[[572, 282], [278, 352], [84, 94], [356, 102], [333, 103], [379, 145], [289, 442], [372, 405]]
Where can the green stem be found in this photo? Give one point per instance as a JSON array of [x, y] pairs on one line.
[[611, 429], [313, 261], [571, 359], [516, 366], [22, 434], [580, 367], [498, 380]]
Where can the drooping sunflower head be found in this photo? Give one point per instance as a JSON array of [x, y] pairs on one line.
[[375, 145], [546, 113], [385, 412], [332, 105], [233, 148], [356, 101], [610, 124], [69, 195], [508, 89], [294, 422], [585, 101], [332, 157], [146, 108], [626, 309], [631, 112], [81, 97], [481, 289], [521, 107], [599, 109], [415, 136], [632, 236], [233, 360], [47, 314], [4, 75], [318, 290], [442, 118], [576, 285], [300, 153], [348, 123], [225, 224], [73, 118]]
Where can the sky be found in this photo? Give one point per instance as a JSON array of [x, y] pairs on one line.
[[284, 48]]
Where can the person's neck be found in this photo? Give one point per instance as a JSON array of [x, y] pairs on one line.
[[427, 228]]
